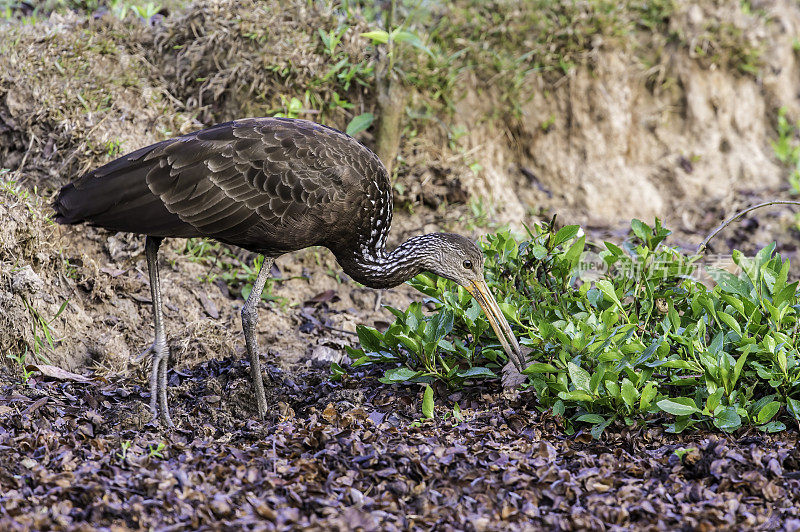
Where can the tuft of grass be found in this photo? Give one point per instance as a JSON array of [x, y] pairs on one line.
[[41, 331], [625, 334], [43, 339]]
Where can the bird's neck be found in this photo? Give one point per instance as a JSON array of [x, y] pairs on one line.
[[377, 268]]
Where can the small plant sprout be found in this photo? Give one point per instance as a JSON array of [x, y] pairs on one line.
[[155, 451], [331, 39], [20, 358], [146, 11], [124, 446]]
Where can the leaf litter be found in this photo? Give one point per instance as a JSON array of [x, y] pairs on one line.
[[354, 454]]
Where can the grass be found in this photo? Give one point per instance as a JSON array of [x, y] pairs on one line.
[[40, 329], [223, 264], [625, 334], [787, 147], [10, 10], [28, 237], [20, 359], [502, 44]]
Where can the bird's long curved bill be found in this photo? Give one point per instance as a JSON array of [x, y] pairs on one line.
[[480, 291]]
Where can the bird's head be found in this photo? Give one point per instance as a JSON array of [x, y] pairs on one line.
[[454, 257], [459, 259]]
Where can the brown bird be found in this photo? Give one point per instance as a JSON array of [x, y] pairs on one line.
[[270, 186]]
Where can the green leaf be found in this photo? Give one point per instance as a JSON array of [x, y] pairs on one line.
[[371, 339], [793, 406], [767, 412], [565, 233], [576, 395], [608, 290], [509, 311], [573, 254], [476, 371], [398, 375], [439, 325], [427, 402], [678, 406], [539, 251], [412, 344], [412, 39], [728, 282], [377, 36], [678, 364], [730, 321], [787, 293], [782, 362], [629, 392], [735, 302], [591, 418], [359, 123], [713, 400], [641, 229], [411, 319], [737, 370], [680, 425], [444, 345], [728, 419], [337, 372], [540, 367], [648, 394], [580, 377], [774, 426], [457, 413], [598, 429], [614, 249]]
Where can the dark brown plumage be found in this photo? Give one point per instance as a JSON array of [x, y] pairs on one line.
[[271, 186]]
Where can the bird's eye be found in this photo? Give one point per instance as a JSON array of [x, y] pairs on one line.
[[467, 264]]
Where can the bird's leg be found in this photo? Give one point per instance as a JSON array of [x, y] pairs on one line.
[[249, 320], [158, 373]]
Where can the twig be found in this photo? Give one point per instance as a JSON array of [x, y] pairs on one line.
[[338, 330], [27, 152], [738, 215]]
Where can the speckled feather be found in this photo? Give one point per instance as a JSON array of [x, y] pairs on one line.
[[269, 185]]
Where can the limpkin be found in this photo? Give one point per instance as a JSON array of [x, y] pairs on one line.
[[270, 186]]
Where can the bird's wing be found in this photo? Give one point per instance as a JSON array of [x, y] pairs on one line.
[[263, 184], [245, 181]]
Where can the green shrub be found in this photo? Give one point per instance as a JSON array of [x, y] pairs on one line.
[[626, 333]]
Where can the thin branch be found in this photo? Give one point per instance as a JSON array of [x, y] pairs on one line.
[[726, 223]]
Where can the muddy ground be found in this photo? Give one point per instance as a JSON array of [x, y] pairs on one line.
[[77, 450], [349, 455]]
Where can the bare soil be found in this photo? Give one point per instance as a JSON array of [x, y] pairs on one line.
[[348, 455]]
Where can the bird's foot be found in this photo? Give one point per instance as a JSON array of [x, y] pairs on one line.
[[160, 417]]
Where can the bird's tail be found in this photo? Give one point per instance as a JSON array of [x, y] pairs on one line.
[[117, 197], [65, 205]]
